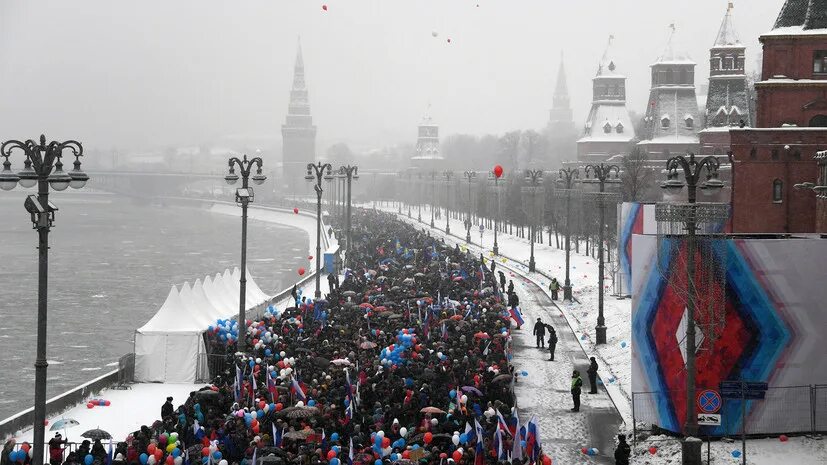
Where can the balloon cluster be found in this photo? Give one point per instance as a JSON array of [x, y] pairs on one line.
[[591, 451], [395, 354], [167, 445], [21, 454], [98, 403]]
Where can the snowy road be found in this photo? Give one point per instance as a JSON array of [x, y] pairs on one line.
[[545, 391]]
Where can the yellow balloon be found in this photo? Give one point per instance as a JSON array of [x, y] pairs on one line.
[[505, 260], [170, 447]]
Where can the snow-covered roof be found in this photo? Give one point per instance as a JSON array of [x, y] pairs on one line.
[[726, 33], [809, 15], [671, 139], [608, 66], [615, 115], [671, 55]]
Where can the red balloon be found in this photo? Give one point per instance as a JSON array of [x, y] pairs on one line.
[[158, 454], [653, 450], [279, 406], [310, 257], [386, 442], [546, 460], [90, 405], [170, 460], [301, 271], [498, 171], [428, 437], [26, 447], [296, 211], [584, 450], [783, 438], [107, 403], [324, 7], [406, 454], [205, 451], [457, 455], [330, 454], [151, 448]]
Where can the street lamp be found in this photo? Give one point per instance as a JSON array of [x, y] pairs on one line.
[[534, 178], [602, 175], [496, 174], [399, 192], [448, 175], [41, 158], [348, 173], [567, 176], [469, 175], [318, 172], [419, 196], [244, 196], [433, 196], [692, 171]]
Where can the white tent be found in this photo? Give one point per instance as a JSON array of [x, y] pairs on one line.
[[168, 346]]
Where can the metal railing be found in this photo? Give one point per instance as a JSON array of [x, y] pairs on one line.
[[126, 371], [209, 366], [784, 410]]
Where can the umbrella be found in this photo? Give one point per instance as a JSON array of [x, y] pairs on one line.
[[348, 293], [95, 434], [471, 389], [432, 410], [341, 361], [303, 412], [482, 335], [321, 361], [419, 275], [499, 378], [457, 278], [367, 345], [381, 308], [303, 349], [64, 423], [301, 434], [366, 305], [394, 316]]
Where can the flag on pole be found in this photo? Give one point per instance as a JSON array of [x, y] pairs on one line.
[[109, 454], [514, 422], [297, 389], [277, 436], [516, 315], [479, 451], [532, 439], [255, 450], [237, 384], [350, 452], [499, 445], [271, 386], [501, 424]]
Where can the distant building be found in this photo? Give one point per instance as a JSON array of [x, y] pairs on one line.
[[672, 118], [427, 156], [298, 133], [609, 130], [561, 132], [791, 126], [727, 101]]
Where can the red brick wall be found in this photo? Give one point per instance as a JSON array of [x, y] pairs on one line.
[[791, 57], [753, 208], [821, 215]]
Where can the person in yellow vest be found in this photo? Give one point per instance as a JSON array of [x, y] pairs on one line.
[[576, 385]]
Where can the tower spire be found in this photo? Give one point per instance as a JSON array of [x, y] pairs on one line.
[[298, 68], [561, 89], [726, 33]]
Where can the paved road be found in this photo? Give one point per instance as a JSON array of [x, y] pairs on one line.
[[545, 392]]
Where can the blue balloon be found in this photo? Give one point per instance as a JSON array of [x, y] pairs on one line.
[[216, 455], [415, 447], [522, 443], [205, 460], [337, 448], [260, 413], [252, 363], [736, 453], [13, 456], [88, 459], [463, 438], [176, 452], [452, 393], [143, 458], [377, 440], [334, 461], [525, 373], [334, 437], [311, 403], [268, 352], [378, 462], [394, 457]]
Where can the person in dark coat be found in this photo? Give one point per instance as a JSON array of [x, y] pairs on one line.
[[502, 281], [576, 389], [331, 282], [540, 333], [167, 409], [623, 451], [552, 341], [83, 450], [56, 447], [592, 372], [510, 286]]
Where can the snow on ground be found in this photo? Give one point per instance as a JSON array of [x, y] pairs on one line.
[[128, 410], [615, 357], [770, 451]]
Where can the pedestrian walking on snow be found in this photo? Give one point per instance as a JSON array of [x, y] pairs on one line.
[[540, 333], [554, 287], [623, 451], [167, 409], [576, 388], [502, 281], [552, 341], [592, 372], [510, 286]]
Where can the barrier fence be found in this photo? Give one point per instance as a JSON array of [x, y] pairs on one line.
[[784, 410], [209, 366]]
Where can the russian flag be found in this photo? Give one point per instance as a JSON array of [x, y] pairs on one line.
[[297, 389], [239, 377], [479, 452], [532, 439], [514, 422], [271, 386], [499, 445], [501, 424], [349, 395], [350, 452], [518, 317]]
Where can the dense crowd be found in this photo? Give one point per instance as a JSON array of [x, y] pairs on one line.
[[406, 360]]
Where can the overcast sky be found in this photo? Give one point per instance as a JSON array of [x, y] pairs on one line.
[[156, 72]]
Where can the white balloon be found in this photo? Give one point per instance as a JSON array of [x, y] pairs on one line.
[[151, 460], [464, 399], [222, 462], [434, 421], [179, 460], [403, 431], [455, 439], [282, 354], [381, 433], [258, 361], [299, 404]]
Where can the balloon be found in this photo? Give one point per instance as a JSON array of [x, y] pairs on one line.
[[378, 462], [90, 405], [498, 171], [464, 399], [457, 455], [25, 447], [428, 437], [178, 461], [88, 459], [455, 439], [301, 271], [152, 460], [546, 460], [736, 453], [170, 460], [223, 462], [158, 454], [107, 403], [331, 454], [296, 211], [402, 431], [783, 438], [143, 458], [334, 437], [653, 450], [451, 393], [463, 438], [324, 7], [311, 403], [151, 448], [205, 451], [386, 442], [334, 461], [170, 447], [216, 455]]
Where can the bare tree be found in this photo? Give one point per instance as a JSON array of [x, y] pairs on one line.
[[533, 146], [509, 147], [636, 176]]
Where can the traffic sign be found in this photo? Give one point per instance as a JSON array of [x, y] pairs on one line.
[[709, 419], [709, 401], [743, 390]]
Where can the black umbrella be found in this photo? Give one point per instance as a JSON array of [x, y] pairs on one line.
[[95, 434]]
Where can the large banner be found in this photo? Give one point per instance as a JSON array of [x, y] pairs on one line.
[[772, 331], [632, 218]]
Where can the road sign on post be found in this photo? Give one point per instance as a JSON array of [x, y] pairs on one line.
[[709, 419], [743, 390], [709, 401]]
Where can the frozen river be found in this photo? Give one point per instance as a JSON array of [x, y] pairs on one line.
[[111, 264]]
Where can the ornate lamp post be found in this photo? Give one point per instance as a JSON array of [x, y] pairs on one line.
[[692, 171], [43, 167], [534, 178], [433, 196], [567, 177], [348, 174], [602, 175], [496, 174], [448, 175], [410, 192], [243, 196], [318, 172], [469, 175], [399, 193]]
